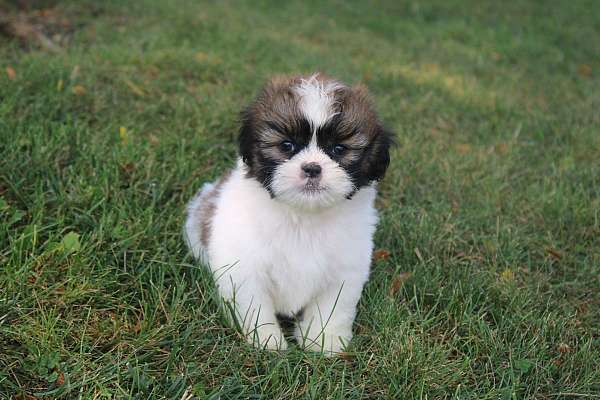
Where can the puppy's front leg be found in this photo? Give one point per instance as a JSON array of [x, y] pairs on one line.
[[256, 315], [326, 324]]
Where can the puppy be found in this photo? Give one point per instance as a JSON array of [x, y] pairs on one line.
[[289, 231]]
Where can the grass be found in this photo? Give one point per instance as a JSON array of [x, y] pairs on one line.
[[487, 284]]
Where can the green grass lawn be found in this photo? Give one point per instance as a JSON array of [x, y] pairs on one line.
[[487, 282]]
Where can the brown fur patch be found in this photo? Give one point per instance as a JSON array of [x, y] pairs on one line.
[[277, 103], [208, 208]]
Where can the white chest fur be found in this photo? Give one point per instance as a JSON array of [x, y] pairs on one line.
[[296, 254]]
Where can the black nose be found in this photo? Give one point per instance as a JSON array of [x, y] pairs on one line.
[[311, 169]]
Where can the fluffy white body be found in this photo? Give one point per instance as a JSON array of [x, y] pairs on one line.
[[268, 258]]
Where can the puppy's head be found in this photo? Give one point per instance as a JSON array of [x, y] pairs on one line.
[[312, 142]]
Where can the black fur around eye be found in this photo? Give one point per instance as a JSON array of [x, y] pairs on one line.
[[287, 146], [338, 149]]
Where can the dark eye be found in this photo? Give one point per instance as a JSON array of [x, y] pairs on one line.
[[338, 149], [287, 146]]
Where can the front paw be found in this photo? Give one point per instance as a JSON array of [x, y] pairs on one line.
[[328, 343], [267, 337]]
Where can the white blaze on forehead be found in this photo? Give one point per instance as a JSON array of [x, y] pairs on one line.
[[316, 99]]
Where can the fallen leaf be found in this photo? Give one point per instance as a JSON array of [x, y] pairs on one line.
[[25, 397], [201, 56], [78, 90], [564, 348], [583, 308], [45, 13], [381, 254], [152, 71], [463, 148], [138, 326], [501, 148], [135, 88], [398, 281], [128, 167], [489, 246], [70, 243], [153, 140], [207, 58], [432, 67], [11, 73], [507, 275], [554, 253], [557, 362], [585, 70], [124, 135]]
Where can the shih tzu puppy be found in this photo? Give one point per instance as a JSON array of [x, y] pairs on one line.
[[289, 231]]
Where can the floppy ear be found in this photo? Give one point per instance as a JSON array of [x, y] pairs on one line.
[[378, 154], [246, 138]]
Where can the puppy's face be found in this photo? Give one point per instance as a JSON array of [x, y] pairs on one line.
[[313, 142]]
